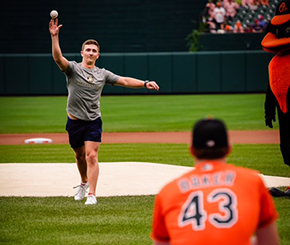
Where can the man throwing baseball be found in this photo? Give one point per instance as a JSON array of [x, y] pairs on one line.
[[85, 83], [215, 203]]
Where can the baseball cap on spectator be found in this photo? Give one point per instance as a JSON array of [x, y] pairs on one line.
[[228, 28], [282, 14], [210, 134]]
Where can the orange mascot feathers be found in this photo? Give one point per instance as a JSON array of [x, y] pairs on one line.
[[277, 40]]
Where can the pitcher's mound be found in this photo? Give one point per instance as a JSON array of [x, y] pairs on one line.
[[116, 179]]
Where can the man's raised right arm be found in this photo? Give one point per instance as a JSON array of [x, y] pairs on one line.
[[61, 61]]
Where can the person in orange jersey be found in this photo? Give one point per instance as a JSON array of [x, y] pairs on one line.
[[238, 28], [215, 203]]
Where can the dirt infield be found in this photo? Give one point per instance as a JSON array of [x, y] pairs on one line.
[[235, 137]]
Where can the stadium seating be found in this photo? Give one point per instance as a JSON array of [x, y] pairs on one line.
[[247, 16]]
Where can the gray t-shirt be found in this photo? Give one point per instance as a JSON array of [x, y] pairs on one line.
[[84, 90]]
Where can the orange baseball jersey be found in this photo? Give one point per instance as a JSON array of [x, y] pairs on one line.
[[215, 203]]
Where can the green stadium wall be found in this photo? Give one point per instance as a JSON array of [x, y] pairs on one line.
[[175, 72]]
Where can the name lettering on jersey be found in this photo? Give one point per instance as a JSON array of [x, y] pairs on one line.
[[222, 178]]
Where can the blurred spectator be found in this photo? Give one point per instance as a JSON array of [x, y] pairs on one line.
[[224, 2], [247, 2], [229, 29], [219, 15], [211, 26], [265, 2], [257, 27], [262, 22], [207, 12], [238, 28], [252, 4], [255, 4], [231, 9], [247, 29]]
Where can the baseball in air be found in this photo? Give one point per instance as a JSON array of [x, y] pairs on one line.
[[53, 14]]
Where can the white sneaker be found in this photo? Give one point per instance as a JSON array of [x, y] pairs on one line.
[[81, 192], [91, 199]]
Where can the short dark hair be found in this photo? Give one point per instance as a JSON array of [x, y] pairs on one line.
[[211, 153], [91, 41]]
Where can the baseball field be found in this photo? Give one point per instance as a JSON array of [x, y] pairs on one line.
[[124, 219]]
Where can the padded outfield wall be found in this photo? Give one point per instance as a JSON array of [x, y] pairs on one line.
[[176, 72]]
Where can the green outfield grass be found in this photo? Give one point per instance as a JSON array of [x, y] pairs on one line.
[[126, 219], [61, 220], [114, 221], [265, 158], [136, 113]]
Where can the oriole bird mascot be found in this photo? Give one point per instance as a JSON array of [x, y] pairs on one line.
[[277, 40]]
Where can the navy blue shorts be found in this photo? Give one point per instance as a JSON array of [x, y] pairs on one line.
[[80, 131]]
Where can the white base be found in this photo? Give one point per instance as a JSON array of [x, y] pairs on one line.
[[38, 141]]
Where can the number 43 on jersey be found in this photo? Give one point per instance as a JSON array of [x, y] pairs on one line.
[[193, 212]]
